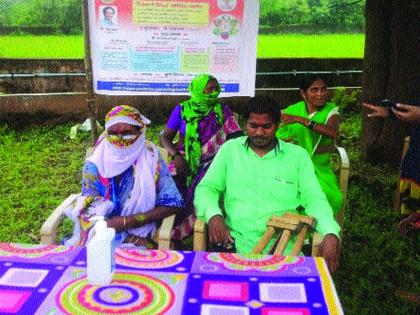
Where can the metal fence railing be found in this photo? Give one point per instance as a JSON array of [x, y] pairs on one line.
[[8, 77], [82, 74]]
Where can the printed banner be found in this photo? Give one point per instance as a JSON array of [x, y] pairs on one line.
[[155, 47]]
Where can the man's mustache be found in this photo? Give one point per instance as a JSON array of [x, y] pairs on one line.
[[258, 138]]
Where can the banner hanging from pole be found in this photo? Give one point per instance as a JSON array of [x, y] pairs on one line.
[[155, 47]]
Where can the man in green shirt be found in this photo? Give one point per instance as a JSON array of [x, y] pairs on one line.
[[259, 176]]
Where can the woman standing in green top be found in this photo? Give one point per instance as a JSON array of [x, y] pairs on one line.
[[314, 125]]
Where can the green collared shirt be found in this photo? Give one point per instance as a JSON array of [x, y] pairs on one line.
[[254, 188]]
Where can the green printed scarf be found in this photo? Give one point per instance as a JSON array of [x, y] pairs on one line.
[[192, 111]]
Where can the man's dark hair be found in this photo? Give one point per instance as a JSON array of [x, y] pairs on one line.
[[106, 8], [309, 79], [262, 104]]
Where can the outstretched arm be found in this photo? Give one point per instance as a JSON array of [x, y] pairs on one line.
[[407, 113], [123, 223], [330, 129], [376, 111]]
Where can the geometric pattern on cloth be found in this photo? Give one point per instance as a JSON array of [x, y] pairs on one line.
[[213, 309], [19, 277], [130, 292], [38, 253], [173, 283], [11, 301], [252, 264], [283, 292], [226, 291], [285, 311]]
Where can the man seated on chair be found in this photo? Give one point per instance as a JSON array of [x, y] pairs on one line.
[[259, 176], [125, 180]]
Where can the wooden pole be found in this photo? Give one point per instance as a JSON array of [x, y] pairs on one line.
[[88, 69]]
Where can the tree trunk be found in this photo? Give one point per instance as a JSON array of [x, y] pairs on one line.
[[391, 70]]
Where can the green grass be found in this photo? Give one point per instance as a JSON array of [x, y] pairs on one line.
[[31, 46], [269, 46], [306, 46], [40, 166]]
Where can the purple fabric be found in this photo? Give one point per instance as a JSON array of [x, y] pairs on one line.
[[207, 126], [175, 121], [46, 279]]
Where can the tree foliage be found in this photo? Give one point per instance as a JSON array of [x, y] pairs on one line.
[[313, 15], [275, 15], [61, 15]]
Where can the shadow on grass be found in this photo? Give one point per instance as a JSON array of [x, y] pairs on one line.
[[22, 121]]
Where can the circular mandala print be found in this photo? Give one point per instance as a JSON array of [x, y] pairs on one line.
[[225, 25], [128, 293], [151, 259], [256, 262], [31, 250]]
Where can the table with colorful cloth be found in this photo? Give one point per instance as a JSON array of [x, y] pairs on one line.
[[51, 279]]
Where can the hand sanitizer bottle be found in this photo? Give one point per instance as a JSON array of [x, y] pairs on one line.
[[101, 253]]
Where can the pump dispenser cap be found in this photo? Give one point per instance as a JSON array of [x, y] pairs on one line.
[[100, 222]]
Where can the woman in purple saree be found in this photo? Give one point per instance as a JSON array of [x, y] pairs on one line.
[[203, 124]]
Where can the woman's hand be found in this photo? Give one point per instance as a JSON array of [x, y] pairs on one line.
[[407, 113], [123, 223], [181, 165], [290, 119], [117, 223], [377, 111]]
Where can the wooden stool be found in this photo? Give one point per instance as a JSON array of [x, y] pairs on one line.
[[289, 223]]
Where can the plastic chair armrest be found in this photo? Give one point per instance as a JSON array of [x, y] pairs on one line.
[[343, 178], [164, 233], [48, 230], [200, 235], [344, 159], [316, 242]]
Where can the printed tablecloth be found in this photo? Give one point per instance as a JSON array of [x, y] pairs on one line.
[[51, 279]]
